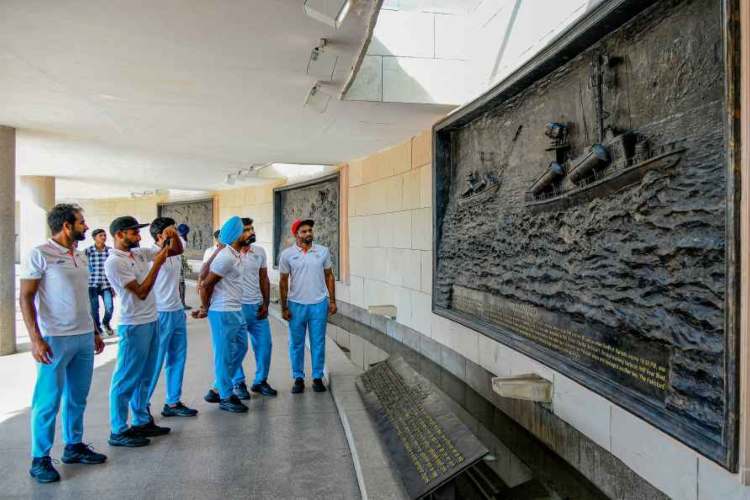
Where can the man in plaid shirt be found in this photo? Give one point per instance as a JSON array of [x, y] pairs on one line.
[[98, 284]]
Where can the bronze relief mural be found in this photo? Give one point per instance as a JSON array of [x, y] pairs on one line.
[[584, 214]]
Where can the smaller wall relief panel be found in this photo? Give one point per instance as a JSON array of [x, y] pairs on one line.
[[317, 200], [199, 215]]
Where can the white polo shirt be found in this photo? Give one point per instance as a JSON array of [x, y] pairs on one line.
[[305, 269], [167, 287], [62, 303], [227, 294], [252, 262], [123, 268], [208, 253]]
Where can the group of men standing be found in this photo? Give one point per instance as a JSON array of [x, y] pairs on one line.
[[234, 288]]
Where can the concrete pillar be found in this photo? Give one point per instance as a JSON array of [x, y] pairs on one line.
[[7, 240], [37, 198]]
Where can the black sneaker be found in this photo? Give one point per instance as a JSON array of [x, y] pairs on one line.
[[80, 453], [318, 385], [299, 386], [43, 471], [108, 330], [187, 307], [264, 389], [129, 439], [232, 404], [212, 396], [178, 410], [150, 430], [240, 390]]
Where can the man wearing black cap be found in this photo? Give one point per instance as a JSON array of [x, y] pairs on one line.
[[172, 325], [311, 298], [133, 271]]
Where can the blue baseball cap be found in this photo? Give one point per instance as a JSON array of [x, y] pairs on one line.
[[231, 230]]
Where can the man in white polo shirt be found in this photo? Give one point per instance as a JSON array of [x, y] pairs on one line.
[[131, 272], [307, 303], [256, 293], [221, 301], [55, 307], [172, 325]]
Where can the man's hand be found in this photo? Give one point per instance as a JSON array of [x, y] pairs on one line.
[[286, 314], [262, 311], [332, 308], [170, 233], [199, 313], [98, 344], [161, 256], [41, 351]]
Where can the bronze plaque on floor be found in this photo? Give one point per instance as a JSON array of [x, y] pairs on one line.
[[427, 443], [586, 209]]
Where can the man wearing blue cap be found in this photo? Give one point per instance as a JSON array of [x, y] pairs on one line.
[[221, 301], [133, 271], [184, 229], [172, 325]]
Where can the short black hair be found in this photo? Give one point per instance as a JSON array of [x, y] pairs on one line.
[[60, 214], [216, 234], [247, 221], [97, 232], [159, 224]]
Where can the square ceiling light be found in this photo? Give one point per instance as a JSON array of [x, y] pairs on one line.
[[331, 12]]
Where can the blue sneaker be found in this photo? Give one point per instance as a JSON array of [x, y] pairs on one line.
[[80, 453], [240, 390], [43, 471]]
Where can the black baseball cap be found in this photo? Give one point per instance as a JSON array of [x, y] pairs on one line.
[[124, 223]]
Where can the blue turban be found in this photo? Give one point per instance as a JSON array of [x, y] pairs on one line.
[[183, 229], [231, 230]]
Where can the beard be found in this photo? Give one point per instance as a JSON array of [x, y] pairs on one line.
[[132, 244], [78, 235], [251, 240], [307, 240]]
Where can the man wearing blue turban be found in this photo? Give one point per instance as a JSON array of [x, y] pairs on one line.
[[221, 301]]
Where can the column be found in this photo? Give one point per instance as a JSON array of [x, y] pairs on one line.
[[7, 240], [37, 198]]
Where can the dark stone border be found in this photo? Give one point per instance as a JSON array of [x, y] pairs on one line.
[[554, 449]]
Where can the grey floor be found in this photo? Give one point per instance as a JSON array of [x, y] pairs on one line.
[[292, 446]]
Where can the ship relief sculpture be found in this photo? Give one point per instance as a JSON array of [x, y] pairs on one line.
[[585, 209], [616, 161]]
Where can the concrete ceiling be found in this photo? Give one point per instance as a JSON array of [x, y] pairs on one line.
[[177, 93]]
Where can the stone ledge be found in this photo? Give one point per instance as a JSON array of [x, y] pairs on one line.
[[596, 464]]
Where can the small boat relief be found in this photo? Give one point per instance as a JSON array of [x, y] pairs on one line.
[[481, 185]]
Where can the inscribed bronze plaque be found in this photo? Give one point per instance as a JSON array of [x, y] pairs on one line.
[[317, 200], [585, 213], [428, 444], [199, 216]]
